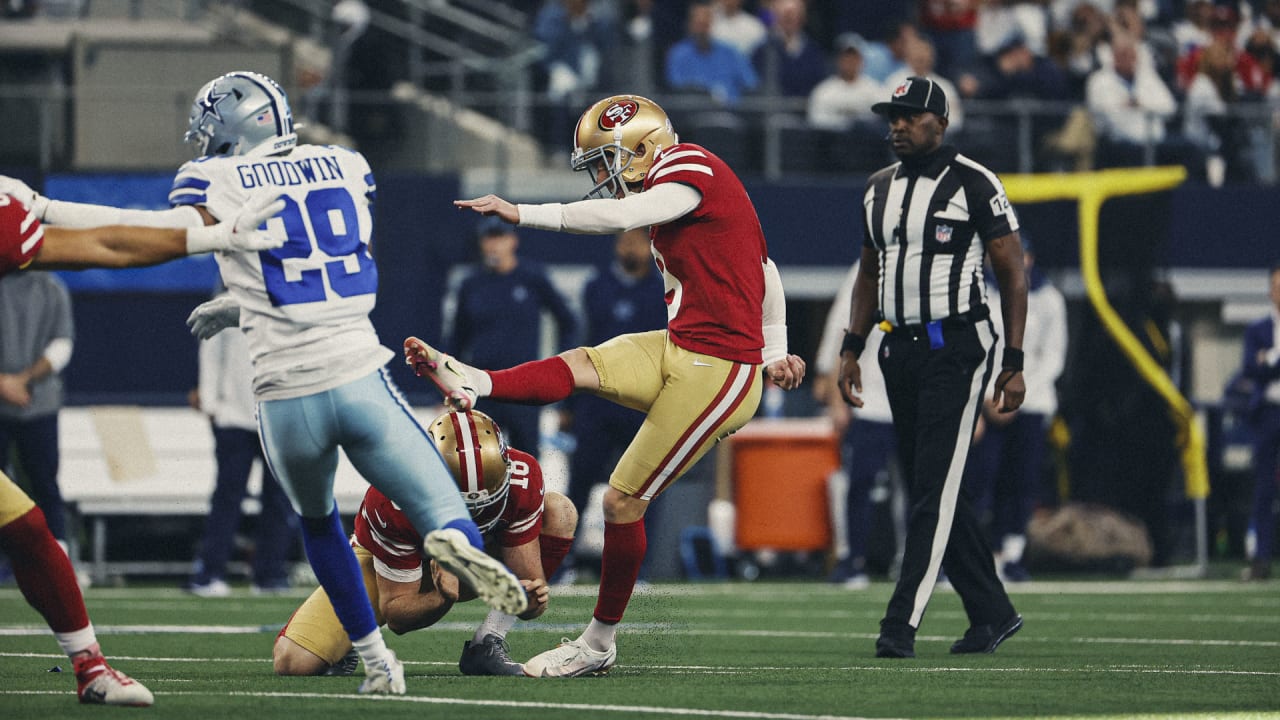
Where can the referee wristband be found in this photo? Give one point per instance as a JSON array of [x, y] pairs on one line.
[[854, 343], [1012, 359]]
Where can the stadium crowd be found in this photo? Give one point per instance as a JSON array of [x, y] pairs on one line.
[[1110, 82]]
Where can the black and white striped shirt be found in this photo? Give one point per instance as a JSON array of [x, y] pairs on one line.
[[923, 217]]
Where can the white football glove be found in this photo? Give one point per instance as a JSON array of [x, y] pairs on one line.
[[241, 233], [34, 201], [214, 316]]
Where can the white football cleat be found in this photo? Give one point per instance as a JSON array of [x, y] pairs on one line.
[[384, 676], [101, 684], [571, 659], [445, 371], [492, 582]]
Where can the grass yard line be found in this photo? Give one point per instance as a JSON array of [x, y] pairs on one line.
[[524, 705], [779, 592], [1092, 616], [742, 669], [640, 628]]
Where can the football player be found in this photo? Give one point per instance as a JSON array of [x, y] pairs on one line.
[[319, 378], [698, 380], [531, 530], [43, 571]]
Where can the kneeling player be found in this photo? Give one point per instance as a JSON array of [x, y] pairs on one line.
[[503, 490]]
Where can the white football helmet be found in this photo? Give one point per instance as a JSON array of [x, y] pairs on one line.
[[476, 453], [241, 113], [625, 134]]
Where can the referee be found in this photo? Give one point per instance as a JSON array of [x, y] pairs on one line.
[[928, 221]]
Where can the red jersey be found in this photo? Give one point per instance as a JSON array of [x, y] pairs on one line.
[[21, 235], [712, 259], [385, 531]]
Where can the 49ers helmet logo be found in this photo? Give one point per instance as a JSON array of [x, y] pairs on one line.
[[618, 114]]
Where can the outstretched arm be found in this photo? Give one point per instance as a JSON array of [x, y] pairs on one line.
[[656, 206], [121, 246]]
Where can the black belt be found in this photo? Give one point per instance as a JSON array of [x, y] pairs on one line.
[[933, 329]]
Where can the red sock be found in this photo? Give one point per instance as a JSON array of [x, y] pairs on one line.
[[540, 382], [624, 548], [43, 572], [554, 550]]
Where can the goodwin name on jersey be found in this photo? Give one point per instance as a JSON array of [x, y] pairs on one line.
[[289, 172], [310, 298]]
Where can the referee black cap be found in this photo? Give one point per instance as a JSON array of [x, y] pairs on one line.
[[915, 94]]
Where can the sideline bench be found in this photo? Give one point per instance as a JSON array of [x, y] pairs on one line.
[[119, 461]]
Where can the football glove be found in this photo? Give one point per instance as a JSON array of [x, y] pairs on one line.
[[34, 201], [241, 233], [214, 316]]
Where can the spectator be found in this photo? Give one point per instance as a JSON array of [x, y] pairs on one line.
[[1268, 21], [1126, 22], [844, 100], [1001, 20], [1192, 30], [1206, 121], [950, 25], [1015, 71], [225, 395], [1087, 30], [1009, 459], [733, 25], [36, 339], [920, 63], [577, 40], [1130, 105], [1262, 366], [882, 58], [626, 297], [790, 63], [498, 320], [701, 63]]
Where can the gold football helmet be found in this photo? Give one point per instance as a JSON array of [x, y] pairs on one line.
[[476, 453], [622, 134]]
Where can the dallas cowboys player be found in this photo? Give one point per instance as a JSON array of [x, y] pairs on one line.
[[319, 376]]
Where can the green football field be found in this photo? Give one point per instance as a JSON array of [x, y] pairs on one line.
[[732, 650]]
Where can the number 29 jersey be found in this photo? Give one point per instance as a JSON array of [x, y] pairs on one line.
[[304, 307]]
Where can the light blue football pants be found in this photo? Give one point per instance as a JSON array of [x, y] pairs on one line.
[[370, 420]]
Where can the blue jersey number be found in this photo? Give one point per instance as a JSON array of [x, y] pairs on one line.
[[336, 226]]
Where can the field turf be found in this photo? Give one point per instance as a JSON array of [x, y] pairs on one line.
[[1197, 649]]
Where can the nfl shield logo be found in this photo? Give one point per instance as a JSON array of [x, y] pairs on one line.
[[942, 234], [886, 349]]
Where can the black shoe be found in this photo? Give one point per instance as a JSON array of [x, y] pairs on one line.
[[891, 647], [345, 666], [488, 657], [897, 640], [986, 638]]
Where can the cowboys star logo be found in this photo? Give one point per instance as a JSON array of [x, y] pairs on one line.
[[209, 104], [618, 113]]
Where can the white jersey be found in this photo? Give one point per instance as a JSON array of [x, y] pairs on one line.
[[304, 307]]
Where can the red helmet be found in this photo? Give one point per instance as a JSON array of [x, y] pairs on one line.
[[21, 234]]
